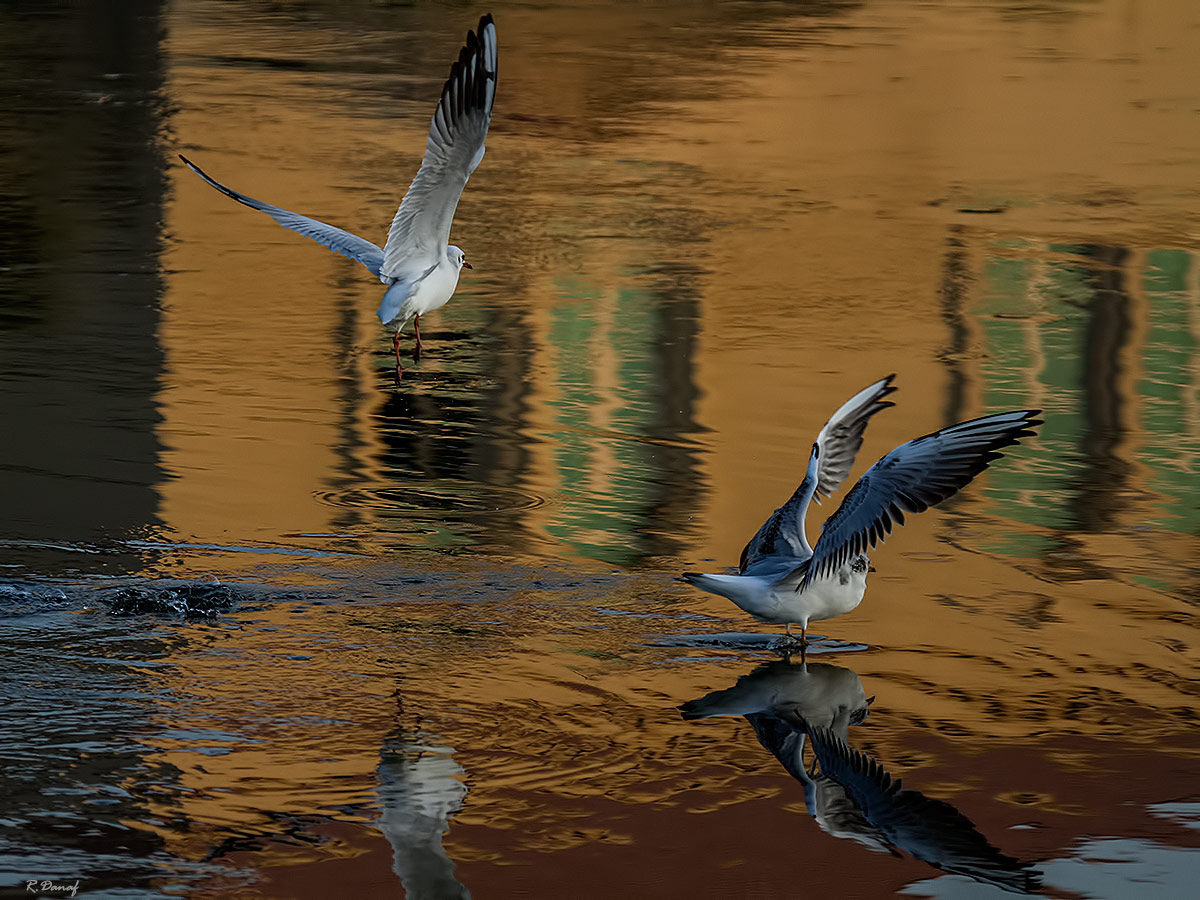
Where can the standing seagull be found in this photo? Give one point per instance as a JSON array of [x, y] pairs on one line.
[[783, 580], [417, 264]]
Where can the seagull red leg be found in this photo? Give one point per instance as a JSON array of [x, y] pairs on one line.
[[417, 346], [396, 350]]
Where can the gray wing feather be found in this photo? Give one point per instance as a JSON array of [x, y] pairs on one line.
[[838, 443], [337, 240], [781, 740], [420, 230], [913, 477], [842, 435], [783, 533]]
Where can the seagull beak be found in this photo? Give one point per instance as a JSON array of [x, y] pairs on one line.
[[466, 265]]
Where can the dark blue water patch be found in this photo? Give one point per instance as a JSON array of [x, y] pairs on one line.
[[199, 599], [18, 598], [189, 600], [84, 794], [755, 642], [112, 875], [269, 549]]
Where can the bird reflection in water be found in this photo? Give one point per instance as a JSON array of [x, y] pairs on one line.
[[420, 789], [849, 794]]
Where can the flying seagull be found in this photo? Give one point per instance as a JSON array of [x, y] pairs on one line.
[[417, 263], [784, 580]]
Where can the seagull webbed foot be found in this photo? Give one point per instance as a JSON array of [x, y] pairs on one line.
[[788, 645]]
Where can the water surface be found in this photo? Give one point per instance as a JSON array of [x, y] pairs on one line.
[[274, 627]]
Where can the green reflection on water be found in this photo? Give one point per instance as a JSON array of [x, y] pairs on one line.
[[1020, 349], [1043, 329], [605, 493], [1168, 402]]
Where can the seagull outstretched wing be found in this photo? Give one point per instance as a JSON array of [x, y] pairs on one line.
[[912, 478], [836, 446], [420, 230], [337, 240], [842, 435]]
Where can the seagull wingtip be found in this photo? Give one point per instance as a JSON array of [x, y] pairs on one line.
[[886, 387], [485, 21], [1031, 418]]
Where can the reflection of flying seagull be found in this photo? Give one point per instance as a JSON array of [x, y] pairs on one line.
[[417, 263], [420, 789], [784, 580]]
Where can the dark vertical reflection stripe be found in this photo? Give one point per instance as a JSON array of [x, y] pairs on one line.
[[81, 177], [81, 190], [351, 394], [1099, 497], [677, 489], [952, 298]]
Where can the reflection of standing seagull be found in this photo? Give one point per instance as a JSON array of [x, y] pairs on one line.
[[819, 693], [811, 694], [782, 579], [848, 794], [931, 830], [417, 264]]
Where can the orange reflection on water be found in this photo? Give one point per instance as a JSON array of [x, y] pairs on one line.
[[679, 275]]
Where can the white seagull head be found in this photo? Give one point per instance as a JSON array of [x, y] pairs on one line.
[[457, 258]]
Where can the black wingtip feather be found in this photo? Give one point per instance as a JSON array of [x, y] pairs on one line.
[[466, 88], [888, 388]]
